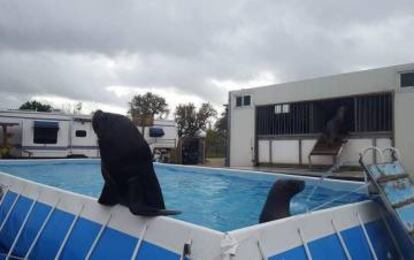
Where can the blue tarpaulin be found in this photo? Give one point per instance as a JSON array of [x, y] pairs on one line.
[[46, 124], [156, 132]]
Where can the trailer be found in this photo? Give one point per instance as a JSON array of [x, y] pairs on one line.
[[162, 137], [47, 134]]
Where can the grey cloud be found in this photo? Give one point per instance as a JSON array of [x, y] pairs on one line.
[[75, 49]]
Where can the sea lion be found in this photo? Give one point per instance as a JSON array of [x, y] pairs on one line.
[[277, 204], [335, 128], [126, 166]]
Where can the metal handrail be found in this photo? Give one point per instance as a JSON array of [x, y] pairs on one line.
[[373, 148], [395, 153]]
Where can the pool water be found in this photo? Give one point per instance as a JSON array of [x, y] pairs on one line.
[[215, 198]]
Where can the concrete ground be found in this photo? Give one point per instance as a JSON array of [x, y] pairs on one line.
[[342, 174]]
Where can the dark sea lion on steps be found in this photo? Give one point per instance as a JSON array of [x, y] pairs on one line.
[[277, 204], [335, 128], [126, 165]]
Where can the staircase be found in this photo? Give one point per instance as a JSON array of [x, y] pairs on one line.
[[323, 148]]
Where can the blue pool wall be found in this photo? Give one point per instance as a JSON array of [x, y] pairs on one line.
[[112, 245], [118, 245], [165, 237]]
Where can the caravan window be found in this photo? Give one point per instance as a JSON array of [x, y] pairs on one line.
[[45, 132], [80, 133]]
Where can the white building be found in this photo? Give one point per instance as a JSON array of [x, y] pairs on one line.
[[51, 134], [280, 124]]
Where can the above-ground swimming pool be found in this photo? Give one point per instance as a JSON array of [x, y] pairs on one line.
[[44, 214], [215, 198]]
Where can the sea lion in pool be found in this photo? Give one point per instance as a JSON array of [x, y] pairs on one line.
[[277, 204], [335, 128], [126, 166]]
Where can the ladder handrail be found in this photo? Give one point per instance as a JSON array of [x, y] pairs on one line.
[[394, 240], [373, 148], [395, 153]]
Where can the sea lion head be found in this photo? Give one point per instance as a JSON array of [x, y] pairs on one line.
[[277, 203], [290, 186], [99, 123], [105, 124]]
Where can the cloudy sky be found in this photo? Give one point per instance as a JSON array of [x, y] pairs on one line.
[[102, 52]]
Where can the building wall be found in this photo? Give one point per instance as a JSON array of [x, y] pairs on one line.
[[404, 126], [242, 125], [296, 151], [242, 136]]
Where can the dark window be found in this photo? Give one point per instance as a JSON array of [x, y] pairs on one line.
[[238, 101], [373, 113], [272, 121], [246, 100], [80, 133], [45, 132], [407, 79], [363, 114]]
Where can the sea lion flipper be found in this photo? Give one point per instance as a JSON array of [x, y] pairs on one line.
[[138, 201], [109, 196], [151, 212]]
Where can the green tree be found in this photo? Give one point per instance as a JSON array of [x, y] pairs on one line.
[[148, 104], [190, 120], [36, 106], [216, 140], [221, 124]]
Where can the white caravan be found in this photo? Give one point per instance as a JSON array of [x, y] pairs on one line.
[[55, 134], [162, 134], [49, 134]]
